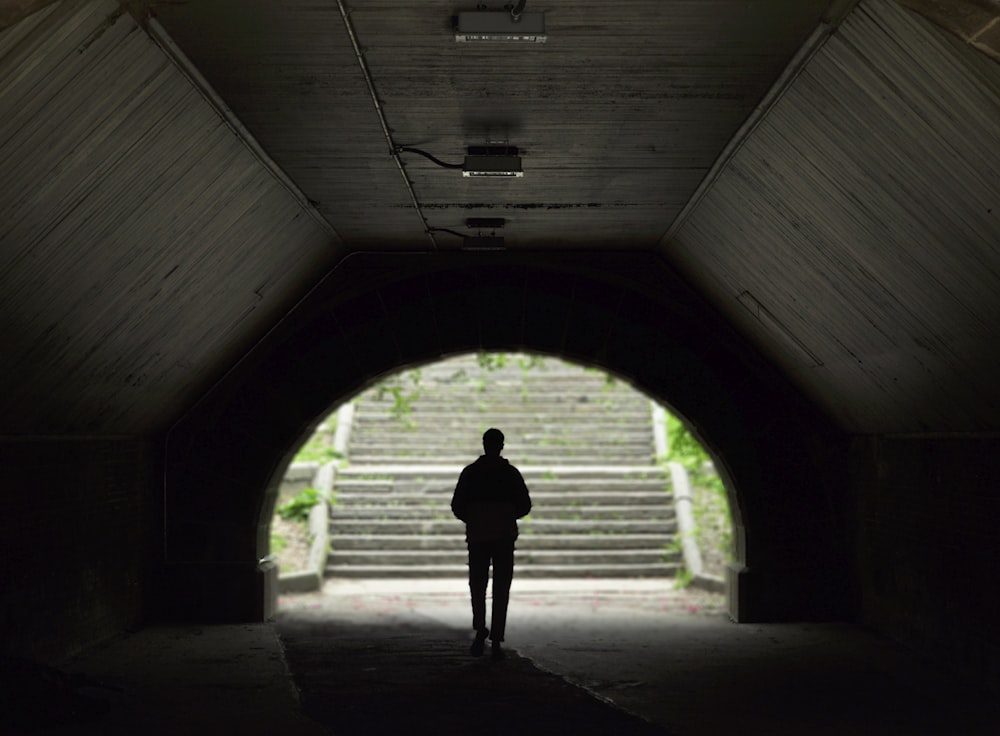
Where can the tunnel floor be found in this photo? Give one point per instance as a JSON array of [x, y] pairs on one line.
[[670, 658], [372, 658]]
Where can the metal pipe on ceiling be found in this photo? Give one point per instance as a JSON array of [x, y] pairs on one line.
[[393, 148]]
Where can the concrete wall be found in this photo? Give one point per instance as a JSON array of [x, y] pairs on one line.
[[79, 536], [628, 315], [926, 545]]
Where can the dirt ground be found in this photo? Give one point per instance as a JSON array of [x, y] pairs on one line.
[[294, 556]]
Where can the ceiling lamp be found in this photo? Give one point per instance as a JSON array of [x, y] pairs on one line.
[[484, 242], [492, 161], [513, 26], [479, 160], [478, 241]]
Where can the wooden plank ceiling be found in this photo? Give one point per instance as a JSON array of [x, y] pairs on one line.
[[143, 245], [618, 116], [856, 234]]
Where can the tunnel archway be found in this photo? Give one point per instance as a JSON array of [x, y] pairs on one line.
[[627, 314], [628, 487]]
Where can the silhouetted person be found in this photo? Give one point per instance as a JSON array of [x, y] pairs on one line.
[[490, 496]]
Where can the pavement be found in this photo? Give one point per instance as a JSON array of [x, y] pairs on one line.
[[584, 657], [674, 659]]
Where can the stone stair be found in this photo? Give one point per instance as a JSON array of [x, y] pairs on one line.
[[602, 507]]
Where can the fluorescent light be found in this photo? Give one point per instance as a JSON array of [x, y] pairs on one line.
[[485, 223], [499, 26], [492, 160], [492, 166]]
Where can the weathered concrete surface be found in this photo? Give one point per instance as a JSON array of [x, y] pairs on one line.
[[173, 680], [977, 22], [672, 658], [417, 677]]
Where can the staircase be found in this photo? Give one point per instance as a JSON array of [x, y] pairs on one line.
[[602, 508]]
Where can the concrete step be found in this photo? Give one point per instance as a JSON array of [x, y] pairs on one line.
[[411, 512], [533, 416], [585, 448], [433, 441], [534, 459], [531, 472], [522, 558], [528, 527], [433, 447], [541, 499], [456, 541], [460, 572], [610, 454], [560, 486]]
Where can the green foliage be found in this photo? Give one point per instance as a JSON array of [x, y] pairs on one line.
[[531, 362], [278, 542], [491, 361], [317, 451], [404, 388], [319, 447], [684, 448], [298, 508], [711, 508]]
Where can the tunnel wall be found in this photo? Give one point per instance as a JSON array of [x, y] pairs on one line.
[[80, 532], [628, 314], [927, 551]]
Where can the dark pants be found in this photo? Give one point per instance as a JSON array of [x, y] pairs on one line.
[[501, 554]]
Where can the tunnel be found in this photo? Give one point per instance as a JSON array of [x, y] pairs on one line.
[[737, 405], [778, 219]]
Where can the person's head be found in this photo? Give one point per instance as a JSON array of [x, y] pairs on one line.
[[492, 441]]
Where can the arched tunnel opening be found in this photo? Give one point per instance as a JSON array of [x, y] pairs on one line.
[[638, 322], [622, 490], [635, 320]]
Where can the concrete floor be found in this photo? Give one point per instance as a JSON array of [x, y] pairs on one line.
[[585, 659], [674, 658]]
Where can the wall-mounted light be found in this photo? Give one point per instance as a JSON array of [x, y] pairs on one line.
[[492, 26]]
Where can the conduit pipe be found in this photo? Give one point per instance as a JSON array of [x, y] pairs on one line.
[[393, 148]]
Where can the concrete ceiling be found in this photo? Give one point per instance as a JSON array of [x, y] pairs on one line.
[[618, 116], [178, 175]]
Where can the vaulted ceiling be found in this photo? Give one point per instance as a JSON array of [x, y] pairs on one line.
[[176, 176]]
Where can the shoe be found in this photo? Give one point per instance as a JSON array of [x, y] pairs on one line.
[[498, 653], [480, 643]]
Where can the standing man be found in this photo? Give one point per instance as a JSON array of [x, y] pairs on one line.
[[490, 497]]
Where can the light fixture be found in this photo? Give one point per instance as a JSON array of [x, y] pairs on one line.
[[480, 161], [484, 242], [491, 26], [492, 161], [478, 241]]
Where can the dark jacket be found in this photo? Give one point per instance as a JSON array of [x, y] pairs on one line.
[[489, 497]]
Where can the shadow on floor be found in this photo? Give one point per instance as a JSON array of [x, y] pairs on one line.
[[671, 658], [418, 678]]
